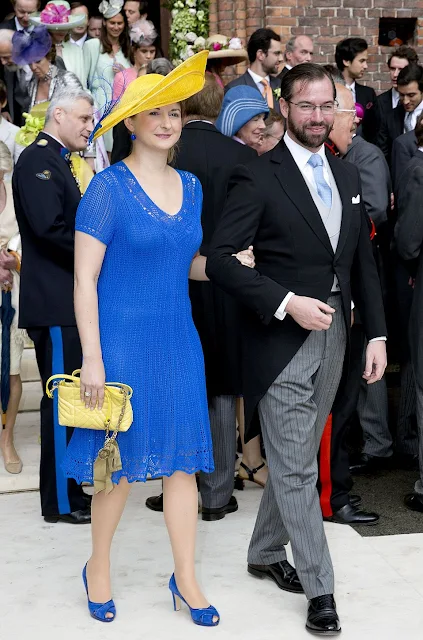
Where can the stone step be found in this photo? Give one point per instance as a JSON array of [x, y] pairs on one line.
[[29, 368], [31, 396]]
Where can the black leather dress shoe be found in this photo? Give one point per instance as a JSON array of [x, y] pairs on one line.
[[349, 514], [364, 463], [355, 500], [281, 572], [217, 514], [412, 501], [83, 516], [322, 618], [155, 503]]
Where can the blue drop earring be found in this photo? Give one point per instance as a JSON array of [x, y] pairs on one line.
[[133, 136]]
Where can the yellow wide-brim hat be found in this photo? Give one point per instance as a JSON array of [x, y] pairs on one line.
[[153, 91]]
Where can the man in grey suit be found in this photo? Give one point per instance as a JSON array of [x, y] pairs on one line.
[[301, 209], [265, 56]]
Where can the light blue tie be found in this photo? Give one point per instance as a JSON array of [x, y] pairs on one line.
[[323, 189]]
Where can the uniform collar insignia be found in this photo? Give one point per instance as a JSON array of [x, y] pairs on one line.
[[65, 153]]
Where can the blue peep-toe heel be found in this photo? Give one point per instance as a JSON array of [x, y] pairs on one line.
[[98, 610], [202, 617]]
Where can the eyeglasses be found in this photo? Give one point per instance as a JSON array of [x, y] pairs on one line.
[[307, 108], [354, 111]]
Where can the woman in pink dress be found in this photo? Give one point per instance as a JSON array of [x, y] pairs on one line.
[[145, 47]]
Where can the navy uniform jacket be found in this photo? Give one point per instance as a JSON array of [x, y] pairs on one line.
[[46, 198]]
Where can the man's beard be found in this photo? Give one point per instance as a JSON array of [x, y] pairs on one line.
[[271, 70], [310, 140], [11, 67]]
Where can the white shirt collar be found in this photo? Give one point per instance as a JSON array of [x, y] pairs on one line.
[[287, 66], [257, 79], [351, 86], [19, 27], [54, 138], [395, 98], [238, 140], [80, 42], [300, 154]]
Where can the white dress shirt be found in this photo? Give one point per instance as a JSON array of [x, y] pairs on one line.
[[79, 42], [301, 156], [258, 80], [410, 119], [395, 98], [351, 87]]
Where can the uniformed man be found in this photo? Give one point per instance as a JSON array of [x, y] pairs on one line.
[[46, 194]]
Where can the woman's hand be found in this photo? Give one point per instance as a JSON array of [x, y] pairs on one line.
[[6, 279], [7, 260], [246, 257], [93, 380]]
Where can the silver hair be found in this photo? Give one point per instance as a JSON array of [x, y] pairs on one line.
[[337, 76], [68, 90], [161, 66], [289, 47], [6, 162], [6, 36]]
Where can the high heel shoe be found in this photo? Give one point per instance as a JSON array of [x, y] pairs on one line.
[[245, 473], [98, 610], [202, 617]]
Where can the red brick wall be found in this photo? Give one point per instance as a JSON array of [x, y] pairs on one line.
[[326, 21]]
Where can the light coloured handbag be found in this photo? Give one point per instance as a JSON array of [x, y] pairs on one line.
[[116, 415]]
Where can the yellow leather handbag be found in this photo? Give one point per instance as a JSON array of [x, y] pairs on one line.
[[115, 415]]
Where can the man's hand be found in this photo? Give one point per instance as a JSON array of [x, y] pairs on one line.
[[375, 361], [310, 313]]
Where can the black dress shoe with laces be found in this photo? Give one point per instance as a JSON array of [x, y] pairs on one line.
[[210, 514], [281, 572], [349, 514], [155, 503], [83, 516], [364, 463], [322, 618]]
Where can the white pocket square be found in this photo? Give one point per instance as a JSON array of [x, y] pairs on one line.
[[355, 200]]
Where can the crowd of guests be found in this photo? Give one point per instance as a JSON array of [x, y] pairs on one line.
[[289, 308]]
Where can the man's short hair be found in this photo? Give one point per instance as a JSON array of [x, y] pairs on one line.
[[305, 74], [207, 102], [6, 36], [411, 73], [68, 90], [337, 76], [348, 49], [290, 46], [405, 53], [260, 39]]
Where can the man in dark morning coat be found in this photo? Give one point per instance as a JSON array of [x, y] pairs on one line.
[[398, 60], [409, 244], [211, 156], [301, 209], [265, 56], [403, 149], [46, 197], [404, 117], [351, 60]]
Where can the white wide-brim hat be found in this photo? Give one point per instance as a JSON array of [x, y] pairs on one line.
[[56, 16]]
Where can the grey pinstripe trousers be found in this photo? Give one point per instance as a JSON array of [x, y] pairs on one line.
[[293, 414], [216, 488]]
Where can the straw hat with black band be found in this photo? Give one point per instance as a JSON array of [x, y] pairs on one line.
[[155, 91]]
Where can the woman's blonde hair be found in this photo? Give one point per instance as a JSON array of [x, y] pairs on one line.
[[6, 162]]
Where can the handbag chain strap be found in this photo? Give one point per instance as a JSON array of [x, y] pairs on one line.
[[105, 451]]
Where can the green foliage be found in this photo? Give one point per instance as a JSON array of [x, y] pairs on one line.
[[190, 27]]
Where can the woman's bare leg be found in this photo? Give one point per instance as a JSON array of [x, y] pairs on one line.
[[180, 502], [106, 512], [7, 446], [251, 452]]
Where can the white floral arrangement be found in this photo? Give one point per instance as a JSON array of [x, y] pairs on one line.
[[190, 28]]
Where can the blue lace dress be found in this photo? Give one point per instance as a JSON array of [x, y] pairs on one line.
[[147, 334]]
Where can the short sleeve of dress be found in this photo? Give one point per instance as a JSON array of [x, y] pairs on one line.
[[196, 191], [96, 211]]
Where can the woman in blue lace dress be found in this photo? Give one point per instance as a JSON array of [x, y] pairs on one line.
[[137, 236]]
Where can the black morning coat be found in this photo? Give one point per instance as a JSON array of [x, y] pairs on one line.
[[270, 207], [46, 198], [211, 156]]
